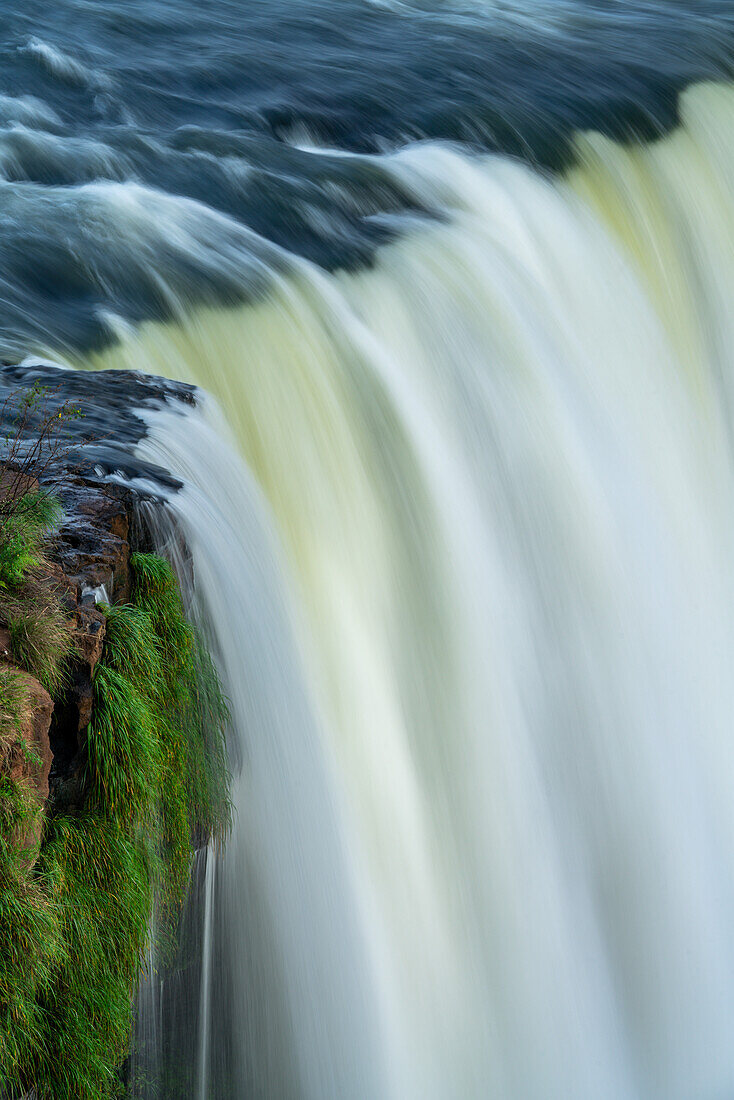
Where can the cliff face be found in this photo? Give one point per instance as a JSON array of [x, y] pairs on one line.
[[109, 778], [88, 560]]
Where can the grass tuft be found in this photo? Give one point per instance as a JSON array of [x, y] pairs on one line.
[[13, 705], [41, 632], [42, 639], [24, 527], [74, 926]]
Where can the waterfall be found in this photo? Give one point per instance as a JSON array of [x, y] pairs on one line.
[[206, 980], [462, 533]]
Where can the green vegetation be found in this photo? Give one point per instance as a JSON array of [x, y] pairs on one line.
[[159, 716], [24, 524], [13, 703], [74, 923], [30, 939], [41, 634]]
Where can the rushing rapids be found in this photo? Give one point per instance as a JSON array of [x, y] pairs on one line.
[[461, 512]]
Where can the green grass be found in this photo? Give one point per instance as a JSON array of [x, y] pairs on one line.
[[74, 927], [41, 632], [41, 638], [24, 526], [30, 939], [13, 704], [103, 881]]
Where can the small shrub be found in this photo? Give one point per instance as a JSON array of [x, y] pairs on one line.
[[35, 440]]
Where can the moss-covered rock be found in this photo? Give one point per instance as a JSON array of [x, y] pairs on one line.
[[74, 925]]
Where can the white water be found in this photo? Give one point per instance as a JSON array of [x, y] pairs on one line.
[[470, 581], [206, 978]]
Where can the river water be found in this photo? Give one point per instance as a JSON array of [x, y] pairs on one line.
[[457, 281]]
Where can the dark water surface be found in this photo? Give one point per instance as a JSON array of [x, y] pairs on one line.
[[112, 113]]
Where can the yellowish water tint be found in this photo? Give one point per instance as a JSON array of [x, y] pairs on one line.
[[670, 205], [499, 466]]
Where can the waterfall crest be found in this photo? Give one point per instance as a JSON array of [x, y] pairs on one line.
[[464, 546]]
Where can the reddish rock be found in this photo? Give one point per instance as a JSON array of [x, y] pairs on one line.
[[90, 549], [100, 522], [107, 513], [35, 724], [30, 759], [14, 484]]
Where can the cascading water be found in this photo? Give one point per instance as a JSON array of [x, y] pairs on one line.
[[457, 278], [472, 597]]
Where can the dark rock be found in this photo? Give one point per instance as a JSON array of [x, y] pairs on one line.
[[89, 636], [66, 778], [103, 520]]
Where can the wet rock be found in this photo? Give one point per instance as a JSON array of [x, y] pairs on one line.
[[66, 778], [89, 637], [92, 545], [100, 484]]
